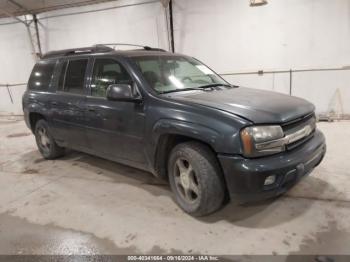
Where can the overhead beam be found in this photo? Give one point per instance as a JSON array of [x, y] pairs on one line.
[[34, 40], [35, 19], [171, 26], [13, 2], [13, 16]]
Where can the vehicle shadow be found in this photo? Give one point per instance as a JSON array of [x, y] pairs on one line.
[[79, 165], [119, 173], [272, 212], [264, 214]]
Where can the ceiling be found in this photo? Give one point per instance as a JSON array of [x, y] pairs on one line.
[[9, 8]]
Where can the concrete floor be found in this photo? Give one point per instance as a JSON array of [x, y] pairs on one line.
[[86, 205]]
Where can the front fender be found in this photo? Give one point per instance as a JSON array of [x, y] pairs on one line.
[[189, 129]]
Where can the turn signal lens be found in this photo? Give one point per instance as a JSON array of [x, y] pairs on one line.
[[247, 142]]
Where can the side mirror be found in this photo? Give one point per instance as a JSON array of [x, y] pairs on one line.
[[122, 92]]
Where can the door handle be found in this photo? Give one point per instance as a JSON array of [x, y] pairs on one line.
[[91, 109], [54, 103]]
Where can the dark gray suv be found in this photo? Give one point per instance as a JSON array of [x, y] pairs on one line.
[[173, 116]]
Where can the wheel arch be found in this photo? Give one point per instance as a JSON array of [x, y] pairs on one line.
[[34, 117], [169, 133]]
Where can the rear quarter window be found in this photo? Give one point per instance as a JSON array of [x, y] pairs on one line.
[[41, 75]]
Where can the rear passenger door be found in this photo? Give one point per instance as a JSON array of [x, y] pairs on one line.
[[115, 128], [68, 106]]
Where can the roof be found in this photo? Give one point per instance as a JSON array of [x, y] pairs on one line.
[[23, 7]]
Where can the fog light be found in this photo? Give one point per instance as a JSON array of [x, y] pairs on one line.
[[270, 180]]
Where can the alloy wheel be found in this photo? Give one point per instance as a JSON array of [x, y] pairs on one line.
[[186, 180], [43, 139]]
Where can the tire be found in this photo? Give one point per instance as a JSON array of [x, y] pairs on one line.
[[45, 142], [205, 175]]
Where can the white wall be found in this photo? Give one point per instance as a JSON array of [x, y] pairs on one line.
[[16, 62], [231, 36], [140, 24], [228, 35]]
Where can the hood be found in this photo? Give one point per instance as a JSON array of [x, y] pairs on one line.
[[258, 106]]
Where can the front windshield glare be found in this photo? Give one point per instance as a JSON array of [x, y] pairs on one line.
[[169, 73]]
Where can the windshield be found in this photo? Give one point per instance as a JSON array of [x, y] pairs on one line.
[[176, 73]]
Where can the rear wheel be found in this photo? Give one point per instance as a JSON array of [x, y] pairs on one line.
[[45, 142], [195, 178]]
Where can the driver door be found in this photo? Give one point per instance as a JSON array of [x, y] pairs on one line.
[[115, 129]]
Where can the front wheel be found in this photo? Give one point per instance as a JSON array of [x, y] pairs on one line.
[[45, 142], [195, 178]]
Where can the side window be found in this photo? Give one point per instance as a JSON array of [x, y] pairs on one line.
[[107, 72], [75, 76], [41, 75]]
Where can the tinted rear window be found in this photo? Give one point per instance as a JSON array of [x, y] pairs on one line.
[[41, 75]]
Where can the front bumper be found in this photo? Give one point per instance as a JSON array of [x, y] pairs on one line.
[[245, 177]]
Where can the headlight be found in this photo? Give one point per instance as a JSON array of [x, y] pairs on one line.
[[262, 140]]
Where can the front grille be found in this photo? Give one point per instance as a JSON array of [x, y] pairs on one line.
[[299, 142], [298, 124]]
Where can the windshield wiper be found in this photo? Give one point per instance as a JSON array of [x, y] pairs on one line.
[[185, 89], [213, 85], [202, 88]]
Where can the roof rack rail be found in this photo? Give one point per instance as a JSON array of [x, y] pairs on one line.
[[124, 44], [82, 50], [99, 48]]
